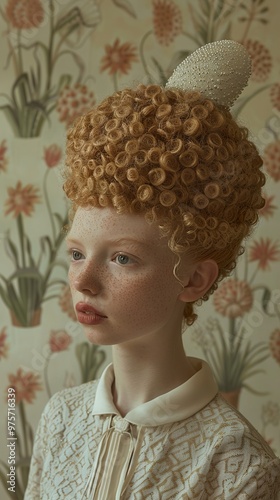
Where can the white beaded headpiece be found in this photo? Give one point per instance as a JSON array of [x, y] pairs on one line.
[[218, 70]]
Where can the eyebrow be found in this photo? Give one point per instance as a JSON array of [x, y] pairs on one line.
[[128, 240], [69, 239]]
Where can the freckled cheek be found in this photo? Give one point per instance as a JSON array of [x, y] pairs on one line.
[[71, 278], [146, 294], [74, 280]]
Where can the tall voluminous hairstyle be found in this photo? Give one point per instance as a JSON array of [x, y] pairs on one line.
[[176, 158]]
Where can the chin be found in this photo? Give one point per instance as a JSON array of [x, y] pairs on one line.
[[99, 338]]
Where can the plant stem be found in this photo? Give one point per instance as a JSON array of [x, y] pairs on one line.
[[23, 424], [249, 22], [21, 238], [20, 63], [50, 48], [253, 276], [26, 451], [246, 266], [243, 101], [211, 22], [46, 376], [231, 334], [192, 37], [141, 52], [115, 81], [48, 203]]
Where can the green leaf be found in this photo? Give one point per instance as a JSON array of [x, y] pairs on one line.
[[63, 81], [225, 34], [254, 391], [56, 282], [266, 301], [5, 297], [12, 118], [60, 220], [49, 297], [45, 242], [99, 359], [16, 305], [250, 374], [60, 263], [13, 249], [35, 111], [126, 6], [219, 8], [242, 101], [27, 272], [73, 19], [81, 353], [90, 358], [215, 365], [177, 58], [29, 252], [162, 77], [257, 361], [21, 92]]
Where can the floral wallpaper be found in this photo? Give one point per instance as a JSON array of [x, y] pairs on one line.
[[58, 58]]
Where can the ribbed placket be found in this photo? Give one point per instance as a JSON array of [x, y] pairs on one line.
[[112, 464]]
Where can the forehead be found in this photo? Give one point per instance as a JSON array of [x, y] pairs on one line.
[[95, 222]]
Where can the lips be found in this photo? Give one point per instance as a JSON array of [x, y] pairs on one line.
[[88, 315]]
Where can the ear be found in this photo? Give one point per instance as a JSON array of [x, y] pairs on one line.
[[198, 282]]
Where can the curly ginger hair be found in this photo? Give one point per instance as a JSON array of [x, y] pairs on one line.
[[176, 158]]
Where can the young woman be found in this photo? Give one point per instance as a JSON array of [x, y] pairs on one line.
[[164, 187]]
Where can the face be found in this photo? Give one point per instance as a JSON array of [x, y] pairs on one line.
[[121, 277]]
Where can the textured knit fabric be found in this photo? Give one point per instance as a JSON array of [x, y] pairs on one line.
[[186, 444]]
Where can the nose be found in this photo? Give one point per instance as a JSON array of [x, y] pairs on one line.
[[87, 279]]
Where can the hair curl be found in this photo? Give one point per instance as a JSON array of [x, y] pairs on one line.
[[175, 157]]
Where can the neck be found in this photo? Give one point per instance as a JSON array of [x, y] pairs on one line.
[[144, 371]]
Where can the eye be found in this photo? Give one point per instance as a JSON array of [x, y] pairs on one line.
[[75, 254], [123, 259]]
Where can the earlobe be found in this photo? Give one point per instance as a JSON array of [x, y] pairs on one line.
[[200, 281]]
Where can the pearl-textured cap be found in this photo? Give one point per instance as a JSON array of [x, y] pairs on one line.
[[219, 70]]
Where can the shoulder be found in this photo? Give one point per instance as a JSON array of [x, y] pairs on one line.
[[235, 446], [230, 427], [225, 455], [71, 401], [237, 426]]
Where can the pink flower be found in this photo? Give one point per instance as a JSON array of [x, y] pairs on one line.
[[66, 304], [22, 199], [261, 60], [52, 155], [25, 384], [3, 159], [3, 344], [73, 102], [118, 57], [59, 340], [268, 208], [274, 344], [264, 251], [275, 96], [271, 159], [233, 298], [25, 14], [167, 19], [271, 413]]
